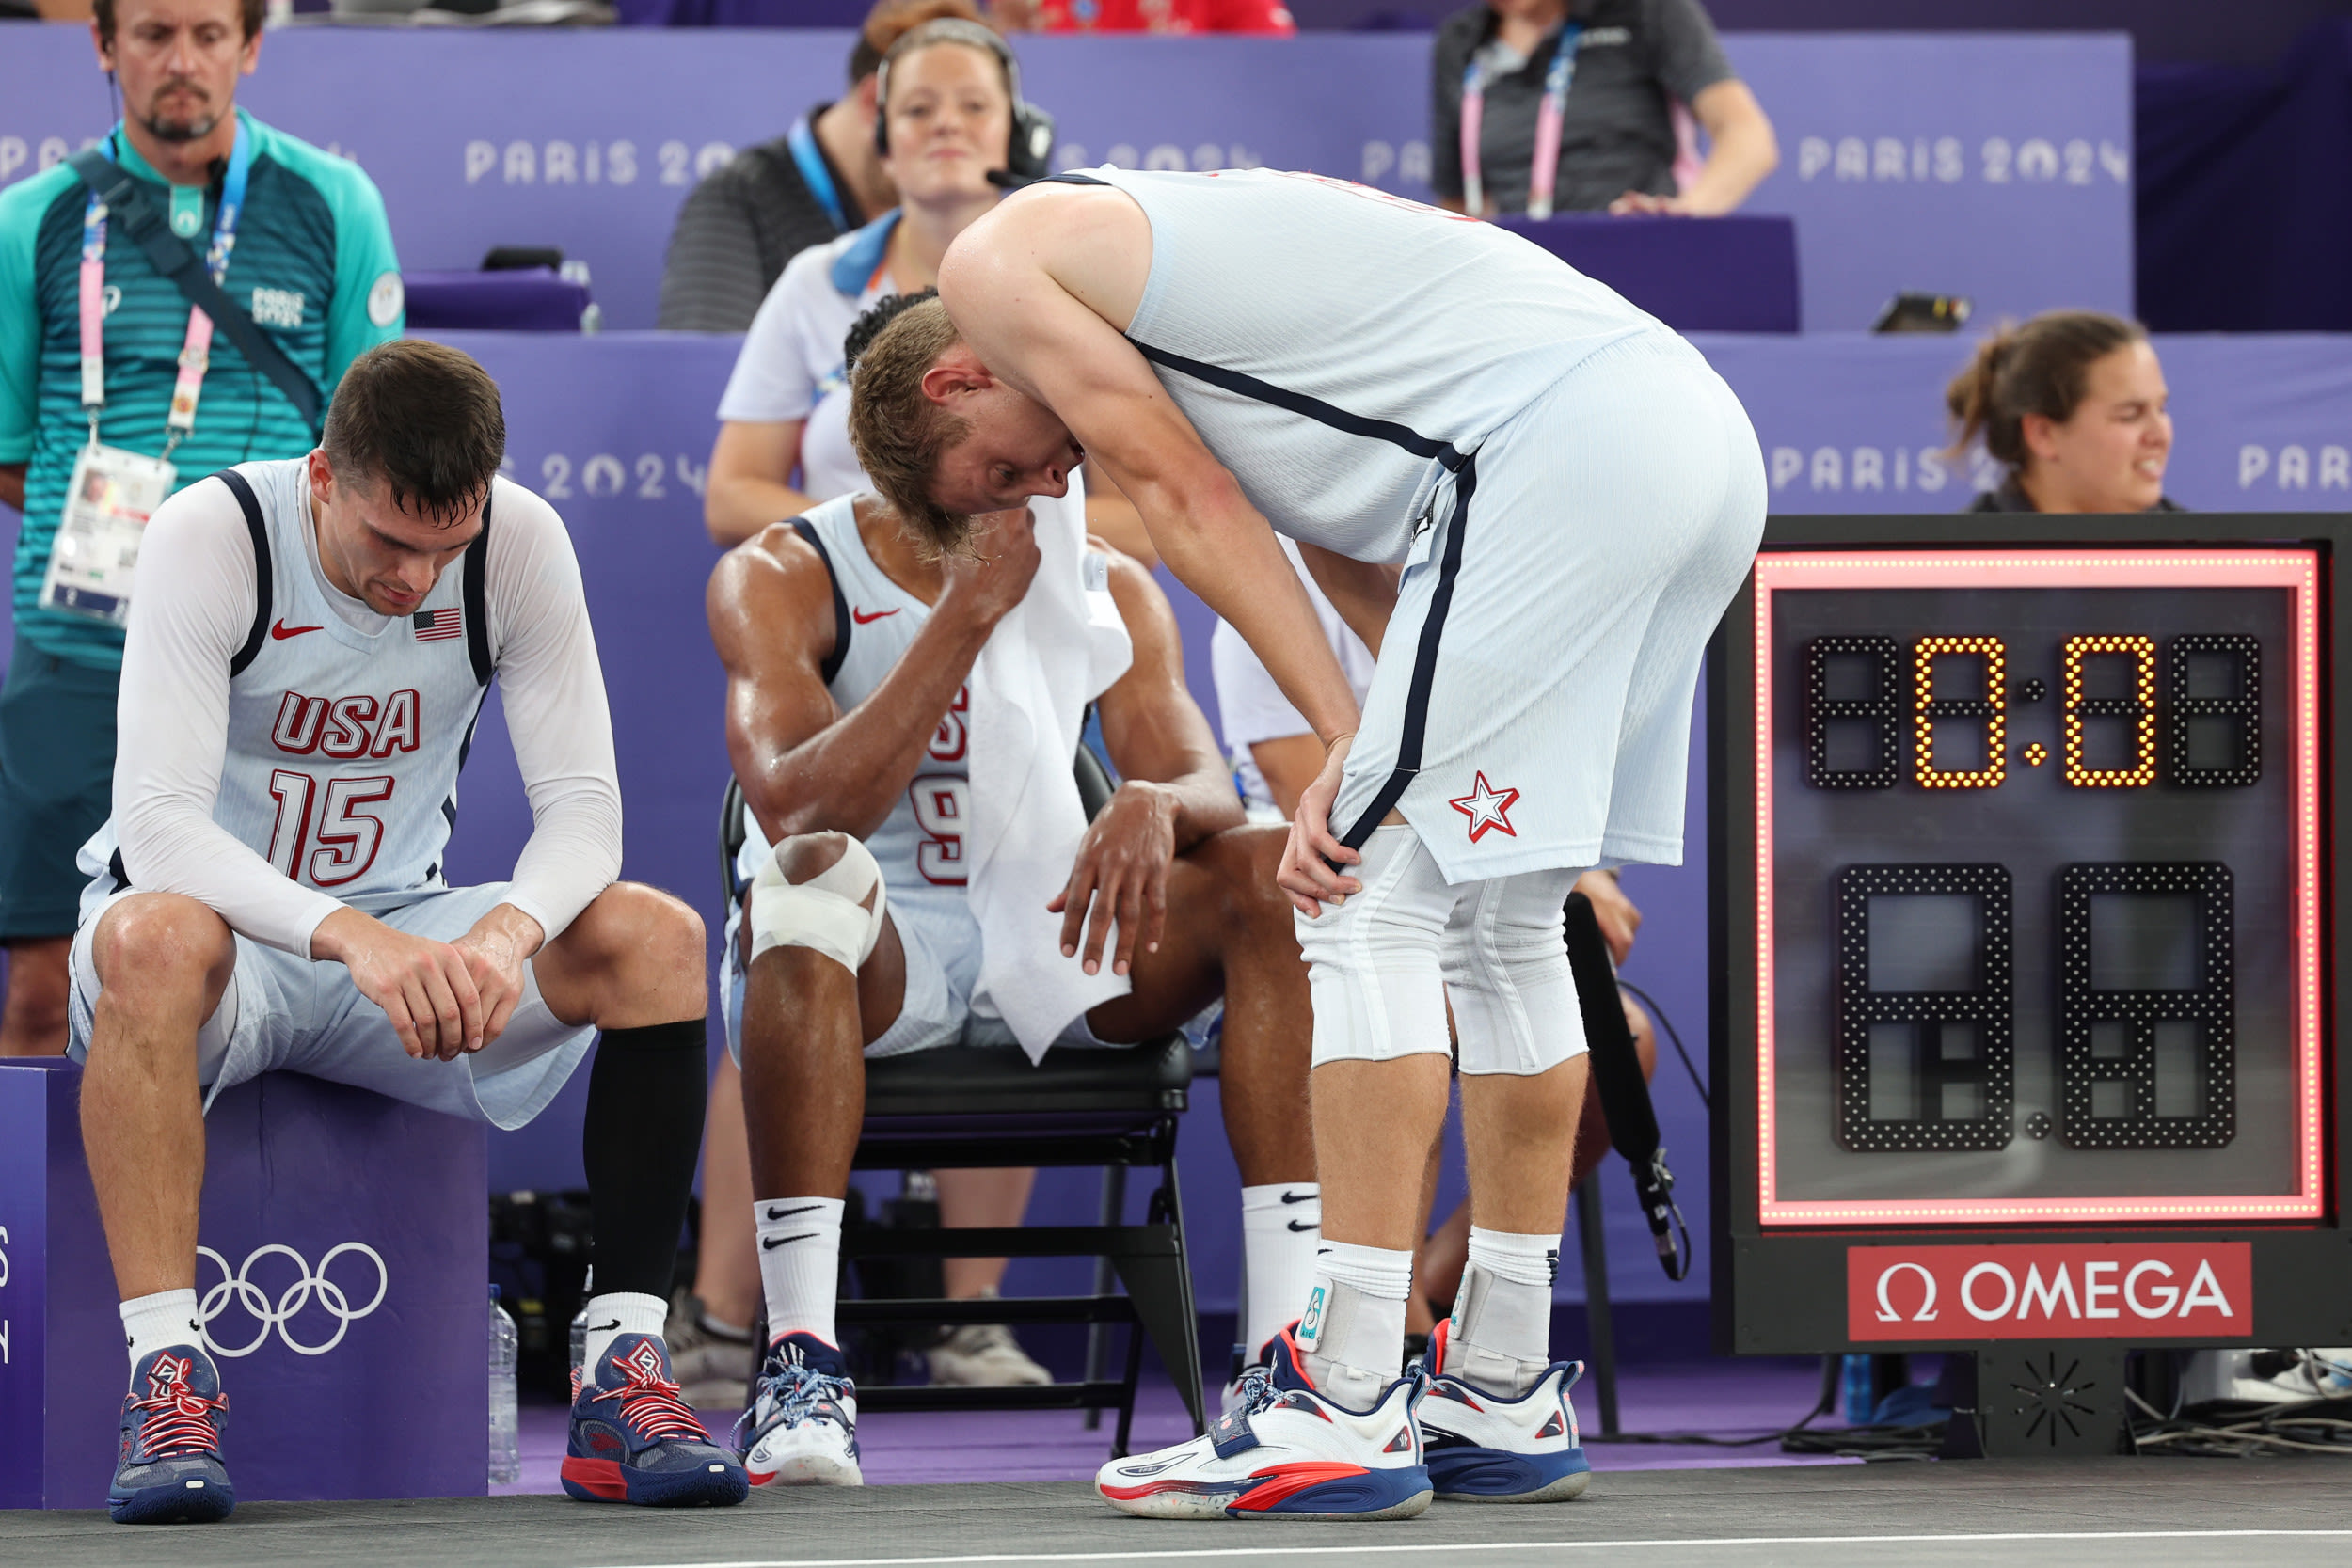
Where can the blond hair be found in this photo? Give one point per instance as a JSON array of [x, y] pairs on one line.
[[899, 433]]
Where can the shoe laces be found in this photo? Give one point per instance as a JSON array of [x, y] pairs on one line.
[[649, 1402], [797, 1390], [177, 1423], [1256, 1390]]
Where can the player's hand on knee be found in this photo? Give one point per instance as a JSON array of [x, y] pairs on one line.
[[1121, 873], [1309, 872], [423, 987], [494, 959]]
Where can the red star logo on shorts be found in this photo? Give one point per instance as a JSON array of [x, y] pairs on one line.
[[1486, 807]]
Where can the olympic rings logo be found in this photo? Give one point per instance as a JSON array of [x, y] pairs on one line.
[[277, 1314]]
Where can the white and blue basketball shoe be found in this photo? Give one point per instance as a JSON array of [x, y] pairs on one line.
[[801, 1427], [1284, 1451], [1484, 1448]]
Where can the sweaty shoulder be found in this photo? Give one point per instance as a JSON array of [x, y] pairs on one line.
[[1091, 239]]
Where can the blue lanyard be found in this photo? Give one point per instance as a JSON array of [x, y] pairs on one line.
[[814, 174], [195, 350]]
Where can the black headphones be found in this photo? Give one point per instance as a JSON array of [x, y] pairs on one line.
[[1029, 155]]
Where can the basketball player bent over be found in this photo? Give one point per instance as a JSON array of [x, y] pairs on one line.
[[312, 642], [1573, 498]]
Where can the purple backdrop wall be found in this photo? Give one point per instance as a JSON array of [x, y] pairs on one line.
[[1910, 162]]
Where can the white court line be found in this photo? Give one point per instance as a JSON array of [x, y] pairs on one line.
[[1273, 1547]]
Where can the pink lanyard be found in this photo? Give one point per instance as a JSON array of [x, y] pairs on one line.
[[196, 349], [1543, 178]]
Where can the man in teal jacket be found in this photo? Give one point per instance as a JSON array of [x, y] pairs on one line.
[[306, 253]]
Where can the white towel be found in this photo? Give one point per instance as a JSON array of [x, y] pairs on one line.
[[1057, 651]]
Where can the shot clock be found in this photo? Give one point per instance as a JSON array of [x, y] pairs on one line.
[[2023, 879]]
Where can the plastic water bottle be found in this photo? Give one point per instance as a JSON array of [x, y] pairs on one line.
[[1860, 1390], [507, 1462], [580, 1321]]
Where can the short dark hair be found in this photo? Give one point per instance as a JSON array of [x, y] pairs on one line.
[[103, 12], [890, 21], [423, 420]]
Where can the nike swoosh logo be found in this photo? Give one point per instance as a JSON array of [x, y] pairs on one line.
[[1301, 1198], [1304, 1226], [606, 1328], [863, 616], [776, 1213], [281, 631], [770, 1243]]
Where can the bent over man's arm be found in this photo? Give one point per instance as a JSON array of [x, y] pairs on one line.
[[1015, 285]]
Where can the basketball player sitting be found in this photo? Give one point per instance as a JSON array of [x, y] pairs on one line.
[[854, 716], [310, 645]]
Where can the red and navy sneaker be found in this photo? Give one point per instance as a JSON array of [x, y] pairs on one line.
[[1487, 1449], [1284, 1451], [168, 1470], [635, 1441]]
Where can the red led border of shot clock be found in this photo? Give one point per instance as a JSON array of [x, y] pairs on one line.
[[2293, 570]]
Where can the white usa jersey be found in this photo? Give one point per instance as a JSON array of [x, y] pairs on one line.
[[1340, 349], [920, 845], [344, 746]]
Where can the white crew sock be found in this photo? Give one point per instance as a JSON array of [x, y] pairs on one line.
[[159, 1322], [1501, 1333], [1352, 1331], [1282, 1230], [621, 1312], [800, 1264]]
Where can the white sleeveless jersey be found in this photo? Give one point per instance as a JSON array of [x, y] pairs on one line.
[[344, 747], [920, 845], [1340, 349]]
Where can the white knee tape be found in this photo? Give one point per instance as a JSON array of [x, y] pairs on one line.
[[1373, 961], [1506, 970], [827, 912]]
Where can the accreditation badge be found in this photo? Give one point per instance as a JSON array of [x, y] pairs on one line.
[[112, 494]]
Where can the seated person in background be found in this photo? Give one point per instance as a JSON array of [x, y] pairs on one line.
[[255, 903], [947, 91], [1601, 78], [867, 680], [784, 436], [822, 177], [1275, 757], [1144, 16], [2073, 406]]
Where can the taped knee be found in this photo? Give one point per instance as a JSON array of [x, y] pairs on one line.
[[826, 913], [1505, 962]]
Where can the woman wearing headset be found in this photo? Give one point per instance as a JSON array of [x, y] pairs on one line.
[[950, 114]]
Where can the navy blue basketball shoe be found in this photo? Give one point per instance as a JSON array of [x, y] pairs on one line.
[[635, 1441], [168, 1470]]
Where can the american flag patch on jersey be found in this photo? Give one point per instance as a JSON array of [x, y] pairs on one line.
[[439, 625]]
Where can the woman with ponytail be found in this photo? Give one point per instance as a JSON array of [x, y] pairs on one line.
[[2071, 405]]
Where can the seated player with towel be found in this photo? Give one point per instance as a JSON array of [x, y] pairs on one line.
[[903, 725], [311, 643]]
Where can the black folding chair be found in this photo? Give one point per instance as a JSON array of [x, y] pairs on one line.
[[986, 1106]]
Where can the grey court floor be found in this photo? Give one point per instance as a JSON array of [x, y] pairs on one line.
[[2083, 1515]]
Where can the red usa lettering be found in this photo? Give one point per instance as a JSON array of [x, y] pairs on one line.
[[2056, 1291], [346, 727]]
